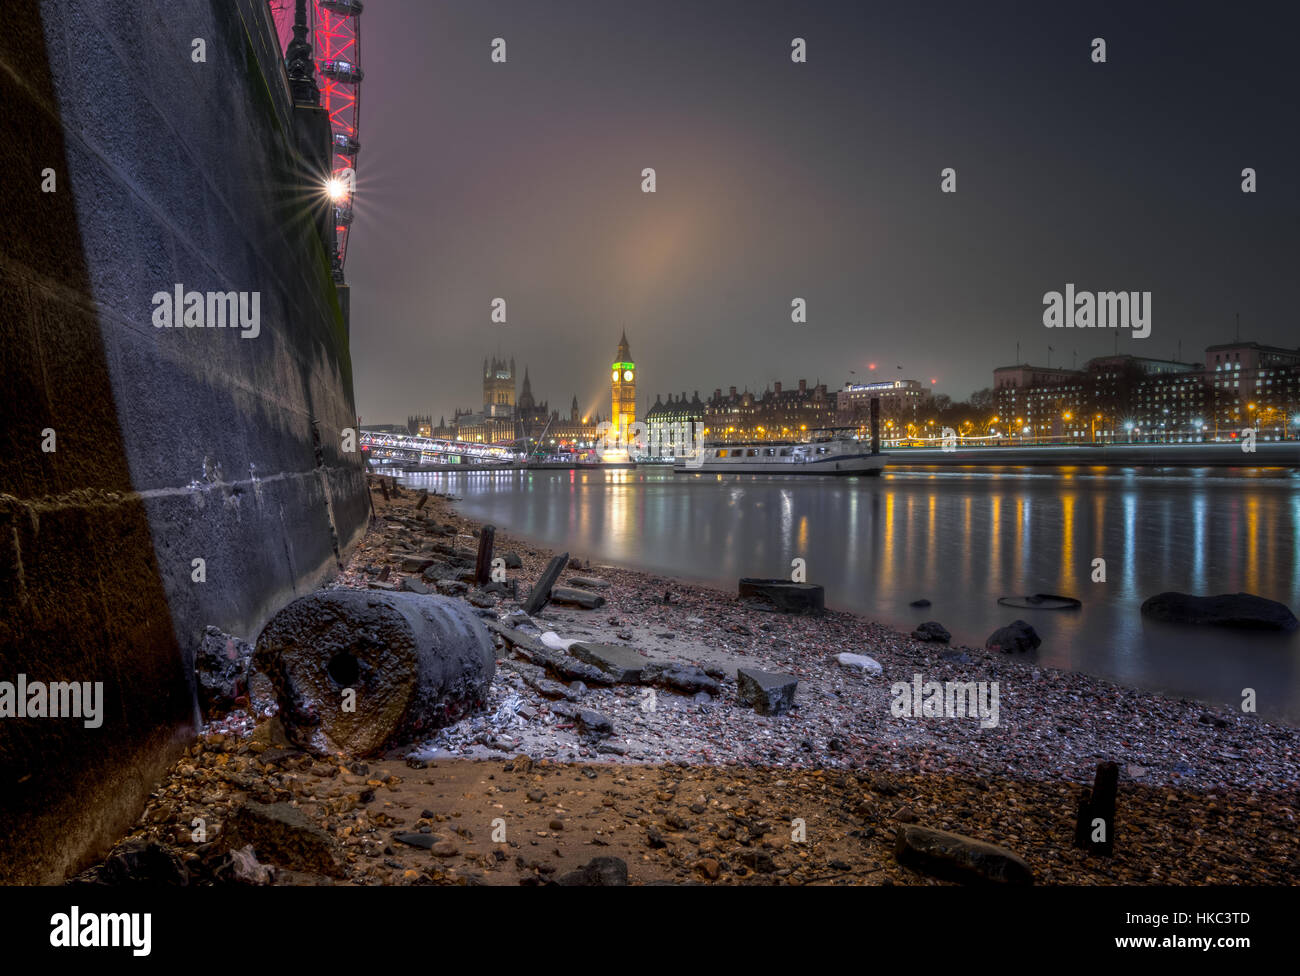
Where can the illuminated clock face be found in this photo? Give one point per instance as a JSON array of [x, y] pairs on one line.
[[615, 374], [627, 375]]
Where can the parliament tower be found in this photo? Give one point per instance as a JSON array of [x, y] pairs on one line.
[[623, 389]]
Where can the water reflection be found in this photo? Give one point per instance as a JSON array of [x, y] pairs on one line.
[[961, 538]]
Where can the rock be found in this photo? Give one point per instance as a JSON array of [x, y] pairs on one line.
[[416, 663], [380, 585], [585, 599], [436, 571], [139, 862], [451, 587], [1016, 636], [600, 871], [932, 630], [550, 689], [593, 723], [414, 586], [243, 867], [686, 678], [782, 596], [282, 834], [768, 693], [955, 857], [425, 841], [859, 661], [623, 664], [513, 561], [445, 848], [221, 670], [708, 867], [416, 564], [482, 600], [760, 862], [923, 602], [1243, 611]]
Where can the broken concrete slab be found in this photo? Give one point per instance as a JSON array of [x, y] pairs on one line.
[[282, 834], [622, 663], [769, 693]]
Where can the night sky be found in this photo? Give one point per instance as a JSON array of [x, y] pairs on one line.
[[821, 180]]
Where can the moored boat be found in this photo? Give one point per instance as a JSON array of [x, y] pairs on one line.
[[833, 456]]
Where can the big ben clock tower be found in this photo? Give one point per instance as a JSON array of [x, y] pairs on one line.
[[623, 388]]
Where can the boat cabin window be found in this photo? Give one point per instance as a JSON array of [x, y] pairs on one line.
[[785, 452], [821, 450], [722, 452], [751, 453]]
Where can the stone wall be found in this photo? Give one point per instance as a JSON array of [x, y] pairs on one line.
[[170, 444]]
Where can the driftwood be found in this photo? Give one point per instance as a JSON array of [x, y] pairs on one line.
[[541, 594], [483, 567], [1098, 804]]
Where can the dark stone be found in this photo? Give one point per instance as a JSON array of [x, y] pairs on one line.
[[137, 862], [416, 840], [1016, 636], [685, 678], [932, 630], [282, 834], [954, 857], [513, 561], [414, 586], [1243, 611], [221, 669], [593, 723], [448, 587], [768, 693], [416, 564], [782, 595], [923, 602], [599, 871]]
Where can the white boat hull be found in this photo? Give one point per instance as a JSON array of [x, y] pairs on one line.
[[835, 464]]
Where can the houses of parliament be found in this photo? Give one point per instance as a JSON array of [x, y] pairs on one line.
[[507, 418]]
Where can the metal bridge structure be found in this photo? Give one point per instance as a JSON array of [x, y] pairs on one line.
[[335, 30], [408, 449]]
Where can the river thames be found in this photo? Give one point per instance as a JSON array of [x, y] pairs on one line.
[[960, 538]]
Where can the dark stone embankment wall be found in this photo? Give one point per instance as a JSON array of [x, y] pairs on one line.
[[171, 444]]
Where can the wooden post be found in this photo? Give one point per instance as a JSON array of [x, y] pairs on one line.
[[541, 594], [383, 486], [483, 567], [1098, 805], [424, 497]]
